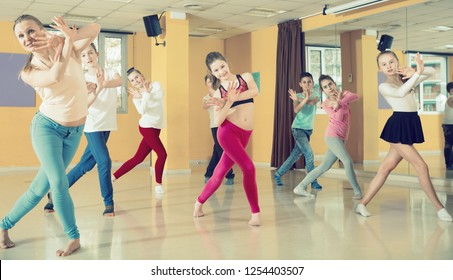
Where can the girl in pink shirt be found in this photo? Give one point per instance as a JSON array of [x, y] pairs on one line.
[[337, 107]]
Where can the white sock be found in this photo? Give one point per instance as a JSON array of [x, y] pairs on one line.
[[300, 191], [361, 209], [158, 189], [444, 215]]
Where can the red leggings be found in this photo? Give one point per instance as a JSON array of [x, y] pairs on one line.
[[233, 140], [150, 141]]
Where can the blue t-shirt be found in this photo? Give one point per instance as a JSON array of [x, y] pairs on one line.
[[305, 118]]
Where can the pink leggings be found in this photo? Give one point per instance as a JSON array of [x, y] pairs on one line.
[[150, 141], [233, 140]]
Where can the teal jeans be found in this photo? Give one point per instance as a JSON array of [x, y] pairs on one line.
[[55, 146]]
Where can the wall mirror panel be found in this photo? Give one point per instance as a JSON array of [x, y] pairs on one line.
[[428, 29]]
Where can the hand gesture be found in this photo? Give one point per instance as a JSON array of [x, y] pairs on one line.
[[49, 41], [406, 72], [420, 63], [334, 104], [148, 87], [216, 101], [134, 92], [292, 95], [60, 24], [233, 93], [91, 87], [100, 78], [334, 95]]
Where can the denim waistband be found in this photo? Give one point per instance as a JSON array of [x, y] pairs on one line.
[[57, 125]]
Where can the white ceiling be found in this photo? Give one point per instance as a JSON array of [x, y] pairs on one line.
[[231, 17]]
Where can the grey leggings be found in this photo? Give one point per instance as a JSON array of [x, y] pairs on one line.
[[336, 150]]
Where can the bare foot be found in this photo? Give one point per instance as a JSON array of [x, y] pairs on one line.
[[255, 220], [5, 242], [73, 245], [197, 211], [112, 214]]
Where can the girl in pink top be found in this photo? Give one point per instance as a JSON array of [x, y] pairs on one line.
[[337, 107]]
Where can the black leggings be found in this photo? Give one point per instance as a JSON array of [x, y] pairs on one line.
[[448, 137]]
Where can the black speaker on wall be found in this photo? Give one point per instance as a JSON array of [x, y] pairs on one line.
[[385, 43], [152, 25]]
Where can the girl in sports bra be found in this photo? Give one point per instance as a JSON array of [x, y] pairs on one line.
[[234, 114]]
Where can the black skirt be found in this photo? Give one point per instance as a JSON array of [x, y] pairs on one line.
[[404, 128]]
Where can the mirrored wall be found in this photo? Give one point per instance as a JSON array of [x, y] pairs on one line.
[[426, 28]]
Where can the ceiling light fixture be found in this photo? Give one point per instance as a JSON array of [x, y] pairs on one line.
[[80, 18], [440, 28], [350, 6], [192, 6], [259, 12], [209, 29]]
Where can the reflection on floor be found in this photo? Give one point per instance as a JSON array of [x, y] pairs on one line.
[[404, 224]]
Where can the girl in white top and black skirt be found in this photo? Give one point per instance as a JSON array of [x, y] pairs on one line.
[[403, 128]]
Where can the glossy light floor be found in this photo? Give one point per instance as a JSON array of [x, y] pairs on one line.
[[146, 227]]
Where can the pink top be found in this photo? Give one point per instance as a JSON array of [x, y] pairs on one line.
[[339, 120], [67, 100]]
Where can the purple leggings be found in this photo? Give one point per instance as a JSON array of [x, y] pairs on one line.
[[150, 141], [233, 140]]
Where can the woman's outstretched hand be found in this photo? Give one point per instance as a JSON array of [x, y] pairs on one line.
[[50, 41], [420, 63]]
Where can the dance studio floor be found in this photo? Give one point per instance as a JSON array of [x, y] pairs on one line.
[[404, 225]]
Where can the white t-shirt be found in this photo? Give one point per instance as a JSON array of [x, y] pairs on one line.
[[448, 117], [102, 113], [210, 110], [151, 107], [440, 102]]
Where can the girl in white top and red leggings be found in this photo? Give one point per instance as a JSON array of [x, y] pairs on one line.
[[403, 128], [148, 99]]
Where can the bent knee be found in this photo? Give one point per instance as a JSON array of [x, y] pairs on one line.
[[248, 168]]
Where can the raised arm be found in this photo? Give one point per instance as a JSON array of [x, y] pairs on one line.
[[299, 103], [414, 78], [204, 103], [348, 97], [85, 36], [113, 82]]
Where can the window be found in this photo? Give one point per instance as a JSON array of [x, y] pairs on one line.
[[112, 55], [324, 60], [432, 93]]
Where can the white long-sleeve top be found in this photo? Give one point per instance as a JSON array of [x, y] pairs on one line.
[[402, 98], [151, 107]]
